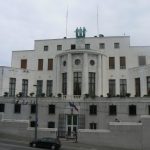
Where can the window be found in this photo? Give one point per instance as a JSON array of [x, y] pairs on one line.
[[132, 110], [49, 87], [137, 87], [122, 62], [24, 63], [148, 85], [64, 83], [123, 87], [2, 107], [93, 125], [102, 46], [77, 83], [24, 87], [93, 110], [111, 62], [92, 62], [116, 45], [112, 110], [40, 64], [87, 46], [12, 86], [39, 87], [148, 109], [77, 61], [51, 109], [46, 48], [73, 46], [50, 64], [91, 83], [59, 47], [112, 87], [142, 60], [33, 108], [17, 108], [32, 123], [51, 124]]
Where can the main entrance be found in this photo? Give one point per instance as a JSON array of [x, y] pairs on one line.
[[72, 125]]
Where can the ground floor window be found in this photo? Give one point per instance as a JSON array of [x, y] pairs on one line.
[[93, 125], [132, 110], [51, 124]]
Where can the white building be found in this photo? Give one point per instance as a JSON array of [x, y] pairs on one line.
[[75, 68]]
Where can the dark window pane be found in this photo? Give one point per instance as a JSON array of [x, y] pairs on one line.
[[24, 63], [93, 110], [51, 109], [64, 83], [137, 87], [33, 109], [112, 87], [32, 123], [50, 64], [51, 124], [12, 86], [112, 110], [46, 48], [2, 107], [73, 46], [142, 60], [17, 108], [122, 63], [111, 62], [132, 110], [24, 87], [40, 64], [49, 87]]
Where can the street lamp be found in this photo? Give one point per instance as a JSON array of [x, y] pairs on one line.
[[36, 113]]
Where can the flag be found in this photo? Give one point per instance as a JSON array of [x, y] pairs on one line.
[[73, 105]]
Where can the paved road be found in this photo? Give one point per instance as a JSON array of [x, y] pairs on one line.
[[66, 145]]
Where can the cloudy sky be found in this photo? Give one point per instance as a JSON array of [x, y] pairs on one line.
[[23, 21]]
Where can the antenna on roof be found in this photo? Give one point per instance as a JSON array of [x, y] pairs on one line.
[[67, 20], [97, 20]]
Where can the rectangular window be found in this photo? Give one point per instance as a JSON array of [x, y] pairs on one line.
[[91, 83], [39, 87], [32, 123], [46, 48], [111, 62], [59, 47], [137, 87], [24, 63], [102, 46], [116, 45], [132, 110], [93, 126], [17, 108], [12, 86], [33, 108], [73, 46], [25, 87], [40, 64], [93, 109], [123, 87], [148, 109], [49, 88], [2, 107], [112, 110], [50, 64], [142, 60], [51, 109], [77, 83], [112, 87], [148, 85], [87, 46], [64, 83], [122, 62], [51, 124]]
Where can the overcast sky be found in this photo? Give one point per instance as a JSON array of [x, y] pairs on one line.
[[23, 21]]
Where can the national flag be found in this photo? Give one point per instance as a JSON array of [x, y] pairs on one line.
[[73, 105]]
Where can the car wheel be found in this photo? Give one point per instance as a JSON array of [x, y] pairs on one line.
[[53, 147], [33, 145]]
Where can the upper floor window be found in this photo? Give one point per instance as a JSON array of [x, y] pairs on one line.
[[111, 62], [49, 88], [46, 48], [39, 87], [33, 109], [59, 47], [17, 108], [112, 87], [24, 63], [93, 109], [50, 64], [2, 107], [24, 87], [102, 46], [122, 62], [116, 45], [40, 64], [73, 46], [12, 86], [112, 110], [142, 60], [123, 87], [51, 109], [87, 46], [132, 110]]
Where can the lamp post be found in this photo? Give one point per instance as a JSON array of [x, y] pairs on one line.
[[36, 113]]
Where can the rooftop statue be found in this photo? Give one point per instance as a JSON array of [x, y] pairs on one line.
[[80, 32]]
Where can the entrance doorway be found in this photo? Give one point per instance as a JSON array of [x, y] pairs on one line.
[[72, 125]]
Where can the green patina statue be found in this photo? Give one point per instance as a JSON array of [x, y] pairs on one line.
[[80, 32]]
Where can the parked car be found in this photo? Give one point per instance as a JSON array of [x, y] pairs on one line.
[[46, 142]]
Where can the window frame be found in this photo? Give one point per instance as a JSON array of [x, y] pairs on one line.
[[51, 109], [2, 107], [92, 109], [116, 45], [111, 62], [131, 111], [46, 47], [101, 45], [17, 108]]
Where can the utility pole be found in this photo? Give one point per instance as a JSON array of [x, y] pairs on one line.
[[36, 113]]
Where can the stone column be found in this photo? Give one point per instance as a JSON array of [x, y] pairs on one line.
[[85, 83], [69, 76], [99, 76]]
